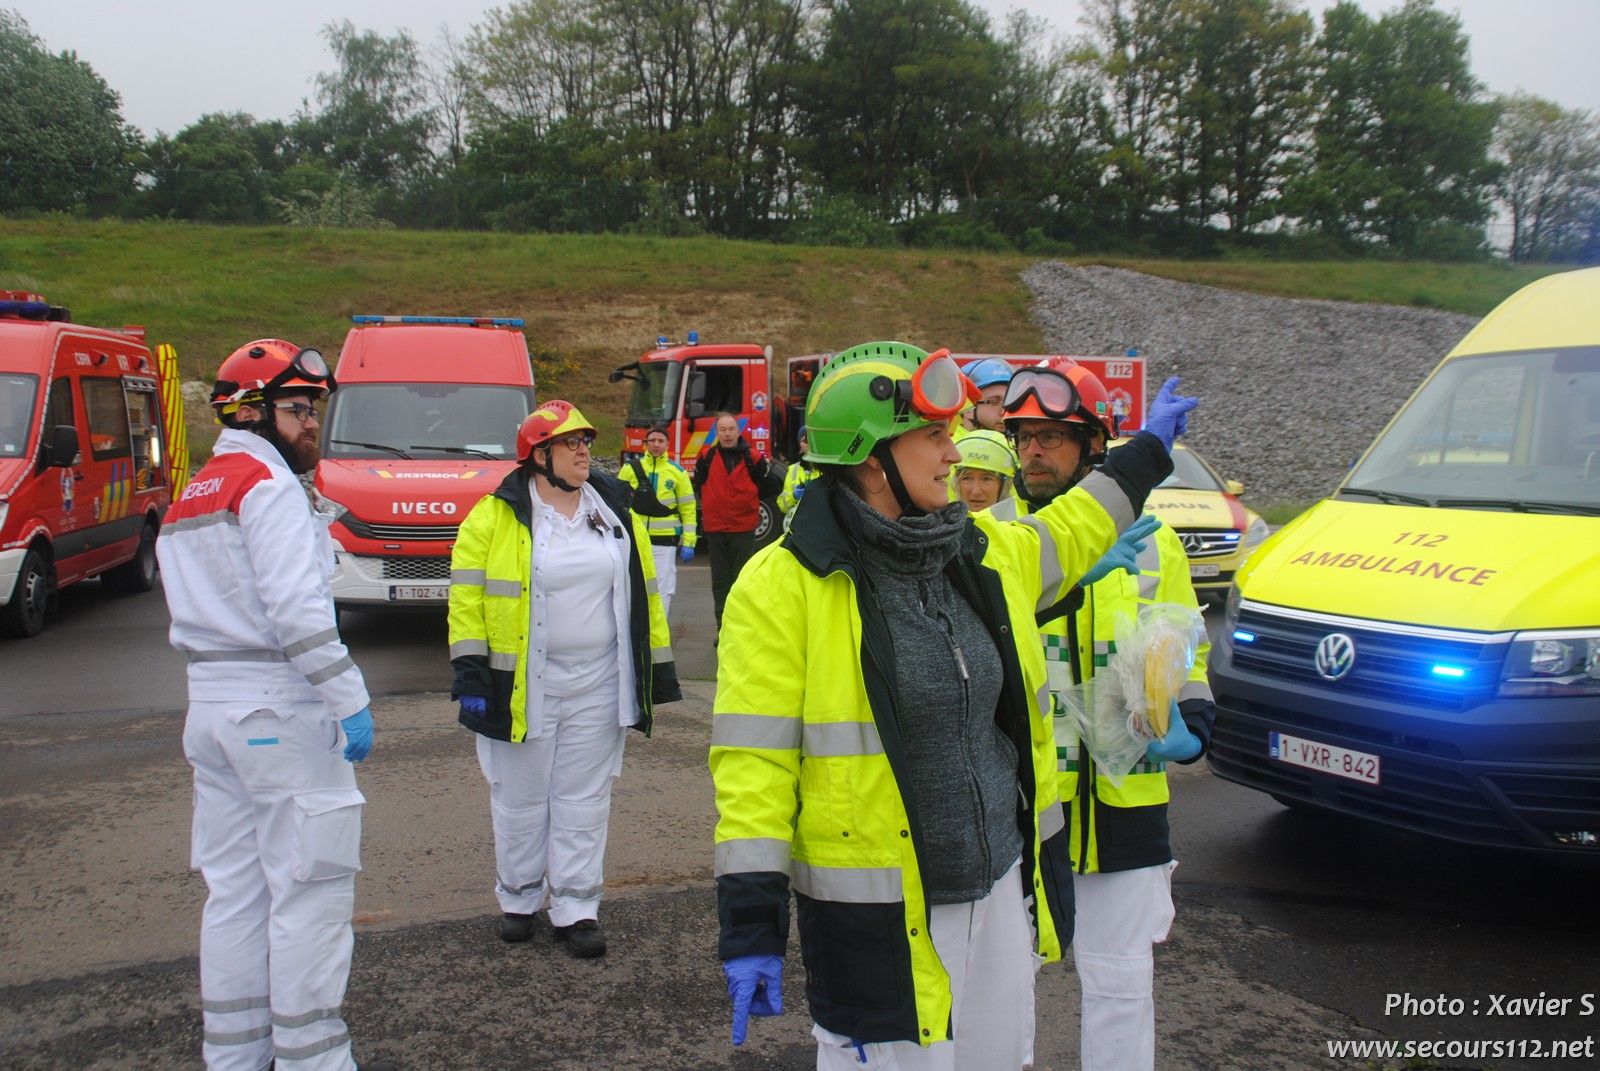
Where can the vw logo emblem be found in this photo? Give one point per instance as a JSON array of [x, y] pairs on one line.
[[1193, 542], [1336, 656]]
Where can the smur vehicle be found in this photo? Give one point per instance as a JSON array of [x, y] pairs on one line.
[[1422, 649]]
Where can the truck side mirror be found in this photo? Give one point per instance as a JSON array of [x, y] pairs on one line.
[[61, 447], [1234, 487], [695, 405]]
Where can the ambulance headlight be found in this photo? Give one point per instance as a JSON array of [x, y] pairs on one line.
[[1552, 664], [1255, 535], [1230, 611]]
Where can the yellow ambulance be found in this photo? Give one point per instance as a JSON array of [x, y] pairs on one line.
[[1422, 649]]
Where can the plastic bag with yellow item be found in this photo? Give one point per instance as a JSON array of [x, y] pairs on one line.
[[1117, 713]]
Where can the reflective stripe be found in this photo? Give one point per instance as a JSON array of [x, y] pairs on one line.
[[591, 893], [1043, 702], [237, 1037], [831, 738], [204, 520], [755, 730], [848, 884], [503, 660], [253, 655], [311, 643], [316, 1015], [462, 648], [650, 587], [238, 1004], [1004, 510], [1050, 575], [1195, 690], [1147, 585], [474, 577], [1052, 820], [749, 855], [305, 1052], [1106, 491], [1102, 647], [509, 588], [523, 890], [331, 670], [661, 655]]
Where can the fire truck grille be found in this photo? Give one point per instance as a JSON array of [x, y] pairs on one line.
[[407, 532], [413, 568]]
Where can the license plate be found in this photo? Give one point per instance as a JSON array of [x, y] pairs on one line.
[[418, 592], [1324, 758], [1202, 570]]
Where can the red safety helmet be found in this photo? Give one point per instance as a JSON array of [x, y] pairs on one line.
[[259, 370], [551, 420], [1059, 388]]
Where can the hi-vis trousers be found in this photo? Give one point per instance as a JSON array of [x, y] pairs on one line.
[[277, 832], [987, 948], [666, 559], [550, 804], [1119, 918]]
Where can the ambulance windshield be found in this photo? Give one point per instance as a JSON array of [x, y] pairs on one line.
[[655, 392], [424, 420], [17, 394], [1514, 431], [1189, 473]]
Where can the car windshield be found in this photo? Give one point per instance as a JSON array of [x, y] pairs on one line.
[[432, 420], [1190, 473], [655, 393], [17, 394], [1503, 431]]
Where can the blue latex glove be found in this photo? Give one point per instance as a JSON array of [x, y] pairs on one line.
[[474, 704], [686, 553], [799, 491], [1179, 745], [1168, 417], [1124, 553], [753, 986], [358, 734]]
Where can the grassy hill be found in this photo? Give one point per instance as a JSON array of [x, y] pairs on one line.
[[594, 302]]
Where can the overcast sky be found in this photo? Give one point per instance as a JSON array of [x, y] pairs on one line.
[[176, 60]]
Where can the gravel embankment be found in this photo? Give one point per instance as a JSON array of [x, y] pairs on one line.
[[1292, 391]]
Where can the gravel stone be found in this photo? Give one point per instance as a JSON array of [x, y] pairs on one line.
[[1292, 391]]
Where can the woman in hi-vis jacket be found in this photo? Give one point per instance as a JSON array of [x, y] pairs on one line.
[[882, 744]]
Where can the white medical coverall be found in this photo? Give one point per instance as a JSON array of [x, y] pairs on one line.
[[245, 562]]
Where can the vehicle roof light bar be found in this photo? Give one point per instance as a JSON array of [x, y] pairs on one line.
[[460, 321]]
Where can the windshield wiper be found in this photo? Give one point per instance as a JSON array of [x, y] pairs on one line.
[[474, 451], [395, 450], [1519, 505], [1389, 497]]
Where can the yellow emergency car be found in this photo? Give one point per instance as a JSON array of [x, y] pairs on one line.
[[1422, 649], [1217, 531]]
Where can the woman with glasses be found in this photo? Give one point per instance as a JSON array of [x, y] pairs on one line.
[[882, 746], [559, 645]]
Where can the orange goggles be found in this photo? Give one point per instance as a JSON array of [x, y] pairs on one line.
[[937, 390]]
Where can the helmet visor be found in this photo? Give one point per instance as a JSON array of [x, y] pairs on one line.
[[307, 366], [1057, 398], [939, 389]]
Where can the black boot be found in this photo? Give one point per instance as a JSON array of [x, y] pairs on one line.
[[516, 928], [583, 938]]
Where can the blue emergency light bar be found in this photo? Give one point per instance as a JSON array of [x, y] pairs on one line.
[[461, 321], [1242, 636], [1453, 672], [27, 310]]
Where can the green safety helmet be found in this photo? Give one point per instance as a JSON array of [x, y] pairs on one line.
[[871, 393], [987, 450]]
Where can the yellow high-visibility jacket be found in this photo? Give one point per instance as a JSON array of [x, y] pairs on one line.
[[670, 484], [490, 595], [1119, 826], [799, 475], [811, 773]]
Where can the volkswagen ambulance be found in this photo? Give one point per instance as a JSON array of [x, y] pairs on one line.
[[1422, 649]]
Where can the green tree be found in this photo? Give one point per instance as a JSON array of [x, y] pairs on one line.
[[1401, 144], [223, 168], [63, 142], [1550, 185], [374, 116]]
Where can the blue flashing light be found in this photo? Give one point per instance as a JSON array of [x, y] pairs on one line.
[[1444, 669], [694, 338], [461, 321], [662, 342], [28, 310], [1241, 636]]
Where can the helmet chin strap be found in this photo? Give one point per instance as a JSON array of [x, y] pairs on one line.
[[548, 473], [891, 474]]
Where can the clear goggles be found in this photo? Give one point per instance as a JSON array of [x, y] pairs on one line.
[[307, 366], [938, 389], [1055, 395]]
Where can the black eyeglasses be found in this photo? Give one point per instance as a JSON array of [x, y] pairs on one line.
[[1048, 439], [299, 410], [584, 439]]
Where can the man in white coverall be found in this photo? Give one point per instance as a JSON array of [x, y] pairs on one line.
[[277, 714]]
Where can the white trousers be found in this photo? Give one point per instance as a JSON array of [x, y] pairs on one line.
[[666, 574], [1120, 917], [550, 803], [277, 836], [987, 948]]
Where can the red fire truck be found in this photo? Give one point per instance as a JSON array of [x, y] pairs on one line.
[[91, 453], [423, 425]]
